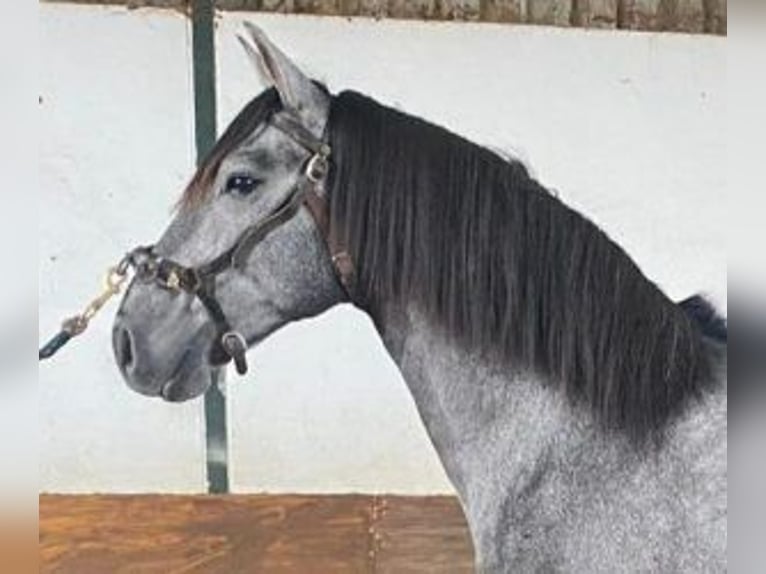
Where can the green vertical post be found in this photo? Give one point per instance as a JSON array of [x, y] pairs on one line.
[[203, 51]]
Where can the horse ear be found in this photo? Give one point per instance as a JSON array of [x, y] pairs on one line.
[[295, 89]]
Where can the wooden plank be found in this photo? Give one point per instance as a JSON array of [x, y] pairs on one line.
[[639, 14], [181, 5], [683, 16], [421, 535], [413, 9], [694, 16], [502, 10], [550, 12], [196, 534], [715, 16], [595, 13], [256, 533], [665, 15], [457, 9]]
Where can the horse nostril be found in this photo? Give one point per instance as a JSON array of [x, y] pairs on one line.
[[124, 345]]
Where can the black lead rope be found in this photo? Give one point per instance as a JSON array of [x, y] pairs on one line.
[[56, 342]]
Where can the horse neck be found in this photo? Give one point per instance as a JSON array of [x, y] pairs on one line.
[[490, 426], [519, 453]]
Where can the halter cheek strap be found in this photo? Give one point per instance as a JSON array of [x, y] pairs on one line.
[[340, 258], [316, 172]]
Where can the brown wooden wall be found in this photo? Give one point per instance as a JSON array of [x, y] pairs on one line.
[[262, 533], [691, 16]]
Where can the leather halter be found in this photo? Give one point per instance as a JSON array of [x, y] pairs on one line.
[[200, 281]]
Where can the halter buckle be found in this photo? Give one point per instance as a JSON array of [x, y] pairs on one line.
[[318, 166]]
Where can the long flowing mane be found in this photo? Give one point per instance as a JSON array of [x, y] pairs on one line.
[[506, 268]]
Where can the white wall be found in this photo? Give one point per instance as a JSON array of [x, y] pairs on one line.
[[628, 127], [116, 145]]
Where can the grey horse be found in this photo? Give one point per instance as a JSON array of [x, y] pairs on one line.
[[580, 414]]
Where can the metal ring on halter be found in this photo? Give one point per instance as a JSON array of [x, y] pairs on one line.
[[317, 167], [235, 346]]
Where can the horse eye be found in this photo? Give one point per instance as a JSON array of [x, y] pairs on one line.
[[242, 184]]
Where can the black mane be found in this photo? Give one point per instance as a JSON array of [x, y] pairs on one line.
[[506, 268], [712, 324]]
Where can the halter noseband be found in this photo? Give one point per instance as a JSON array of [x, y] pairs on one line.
[[200, 281]]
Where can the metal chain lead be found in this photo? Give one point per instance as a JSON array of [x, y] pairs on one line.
[[76, 325]]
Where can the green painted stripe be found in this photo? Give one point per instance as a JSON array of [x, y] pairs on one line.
[[203, 50], [217, 452]]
